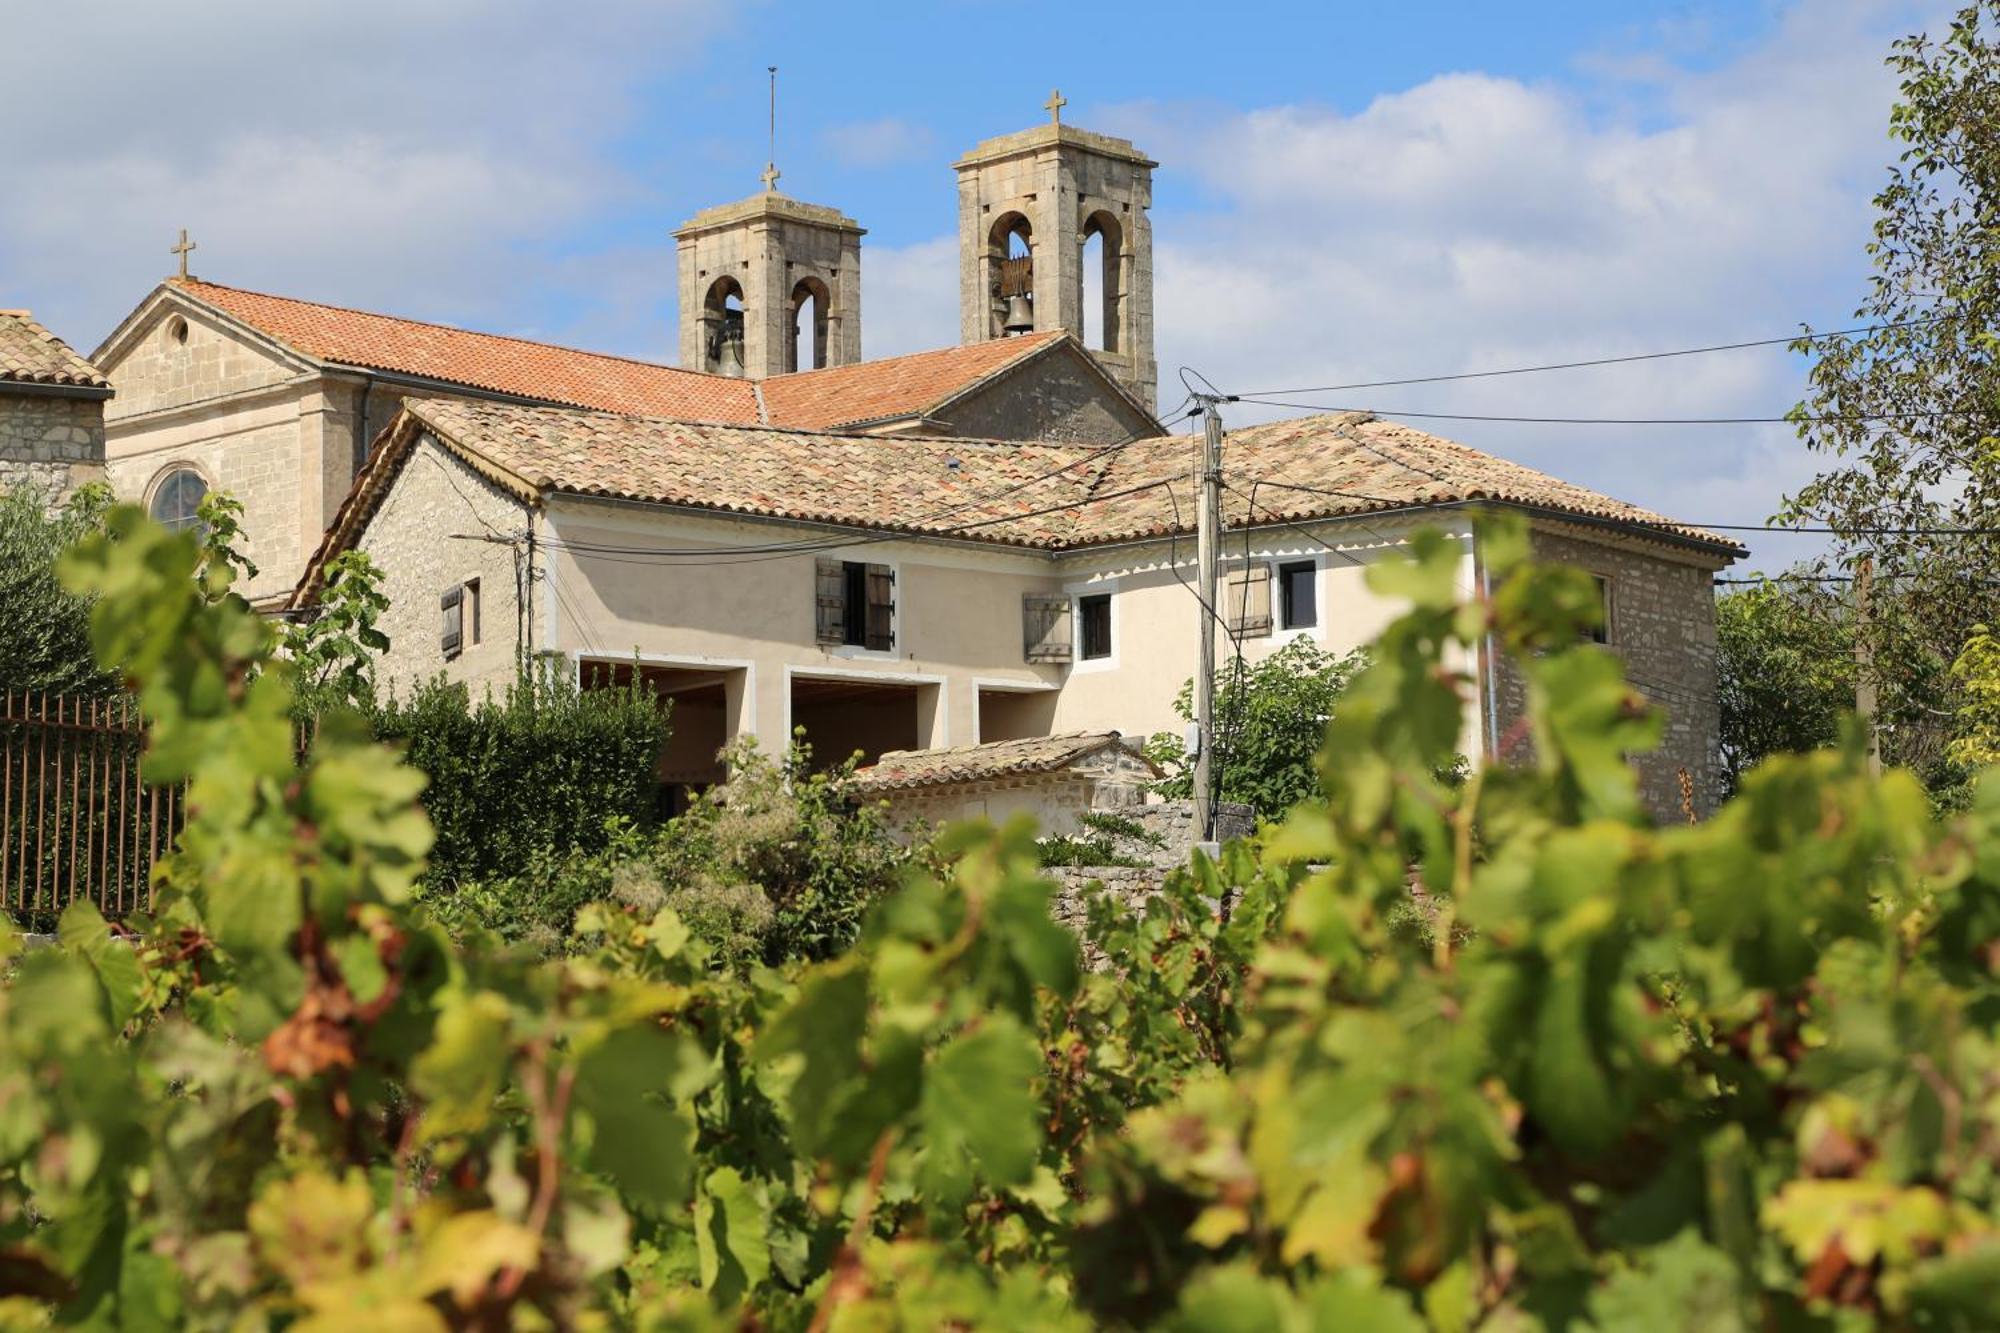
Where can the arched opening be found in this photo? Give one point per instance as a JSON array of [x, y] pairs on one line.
[[722, 328], [177, 497], [1103, 281], [1010, 252], [810, 300]]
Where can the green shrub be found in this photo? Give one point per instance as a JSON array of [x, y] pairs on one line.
[[44, 628], [537, 772]]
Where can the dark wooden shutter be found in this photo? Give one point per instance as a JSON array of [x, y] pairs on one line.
[[451, 607], [881, 608], [830, 584], [1045, 627], [1246, 601]]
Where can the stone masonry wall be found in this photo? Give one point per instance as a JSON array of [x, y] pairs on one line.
[[1663, 627], [1053, 398], [53, 442], [411, 539]]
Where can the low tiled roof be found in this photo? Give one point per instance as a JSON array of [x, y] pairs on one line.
[[1039, 496], [481, 360], [899, 770], [1341, 464], [870, 391], [893, 387], [30, 354]]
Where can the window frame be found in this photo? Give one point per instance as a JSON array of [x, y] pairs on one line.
[[1605, 635], [1080, 598], [1311, 567], [171, 475], [854, 617]]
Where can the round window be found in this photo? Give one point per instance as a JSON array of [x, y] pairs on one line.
[[177, 500]]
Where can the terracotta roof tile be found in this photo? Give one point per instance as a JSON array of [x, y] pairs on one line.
[[1049, 497], [902, 769], [889, 388], [482, 360], [897, 386], [30, 354]]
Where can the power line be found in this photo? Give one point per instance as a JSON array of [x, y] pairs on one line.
[[1605, 360], [1393, 413]]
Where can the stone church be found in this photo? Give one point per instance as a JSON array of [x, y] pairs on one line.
[[276, 400]]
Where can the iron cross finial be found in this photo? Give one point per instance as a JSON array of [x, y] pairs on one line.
[[182, 250], [1055, 104]]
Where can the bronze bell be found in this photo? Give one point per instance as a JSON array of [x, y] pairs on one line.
[[1020, 315]]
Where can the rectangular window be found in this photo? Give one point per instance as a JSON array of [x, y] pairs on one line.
[[1601, 632], [451, 610], [1298, 594], [855, 604], [471, 614], [1094, 612]]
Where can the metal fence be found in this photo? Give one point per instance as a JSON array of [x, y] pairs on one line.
[[76, 819]]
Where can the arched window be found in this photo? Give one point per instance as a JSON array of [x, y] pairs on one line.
[[1010, 252], [177, 499], [722, 328], [809, 325], [1103, 274]]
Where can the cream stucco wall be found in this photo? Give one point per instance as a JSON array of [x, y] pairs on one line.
[[958, 611]]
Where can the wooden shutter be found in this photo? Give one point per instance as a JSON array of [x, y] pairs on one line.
[[1246, 601], [830, 583], [1045, 627], [451, 608], [881, 621]]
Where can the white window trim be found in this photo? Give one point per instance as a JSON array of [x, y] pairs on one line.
[[855, 652], [1610, 608], [1079, 664], [1279, 634]]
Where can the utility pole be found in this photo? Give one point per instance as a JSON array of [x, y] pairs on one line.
[[1866, 701], [1208, 554]]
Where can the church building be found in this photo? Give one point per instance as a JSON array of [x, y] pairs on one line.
[[276, 399]]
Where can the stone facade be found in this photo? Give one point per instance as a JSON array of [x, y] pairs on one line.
[[772, 252], [1662, 625], [1062, 187], [1053, 397], [413, 538], [51, 441]]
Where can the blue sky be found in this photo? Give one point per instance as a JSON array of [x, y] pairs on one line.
[[1347, 191]]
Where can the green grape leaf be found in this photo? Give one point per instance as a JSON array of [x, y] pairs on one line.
[[980, 1111]]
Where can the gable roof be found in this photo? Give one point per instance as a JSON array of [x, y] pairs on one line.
[[1033, 496], [30, 354], [893, 387], [900, 770], [489, 361], [869, 392]]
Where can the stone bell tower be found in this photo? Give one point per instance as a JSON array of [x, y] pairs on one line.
[[769, 285], [1039, 209]]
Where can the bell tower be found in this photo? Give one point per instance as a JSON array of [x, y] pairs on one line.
[[769, 285], [1054, 233]]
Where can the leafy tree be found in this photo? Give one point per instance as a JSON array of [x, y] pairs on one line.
[[334, 650], [1269, 719], [1785, 668], [1908, 414], [45, 631]]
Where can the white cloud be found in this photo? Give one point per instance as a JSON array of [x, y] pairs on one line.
[[909, 297], [423, 158], [888, 141], [1474, 222]]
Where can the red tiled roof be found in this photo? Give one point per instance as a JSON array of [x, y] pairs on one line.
[[893, 387], [901, 769], [482, 360], [896, 386]]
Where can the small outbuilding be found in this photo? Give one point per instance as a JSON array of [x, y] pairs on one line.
[[1053, 778]]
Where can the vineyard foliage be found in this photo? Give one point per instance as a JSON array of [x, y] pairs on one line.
[[1741, 1075]]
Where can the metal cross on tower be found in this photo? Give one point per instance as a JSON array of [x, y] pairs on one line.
[[182, 250]]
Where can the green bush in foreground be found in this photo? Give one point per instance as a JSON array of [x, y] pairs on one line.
[[1735, 1076]]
